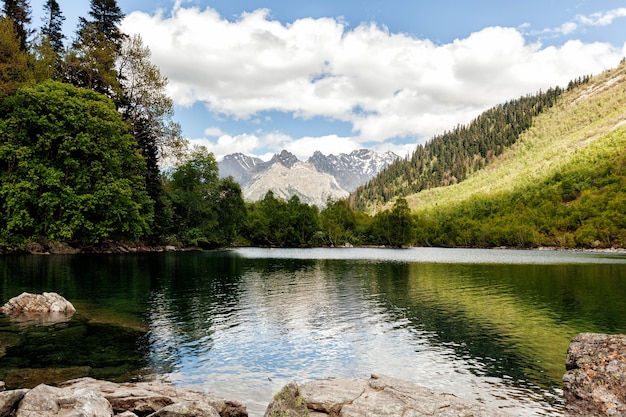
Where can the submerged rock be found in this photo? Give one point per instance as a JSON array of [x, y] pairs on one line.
[[595, 381]]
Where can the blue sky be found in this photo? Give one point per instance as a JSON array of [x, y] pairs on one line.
[[260, 76]]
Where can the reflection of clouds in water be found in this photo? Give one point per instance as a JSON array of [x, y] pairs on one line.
[[304, 324]]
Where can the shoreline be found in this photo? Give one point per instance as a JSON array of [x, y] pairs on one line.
[[114, 247]]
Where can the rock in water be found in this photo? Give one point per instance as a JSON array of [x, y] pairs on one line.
[[595, 381], [48, 302]]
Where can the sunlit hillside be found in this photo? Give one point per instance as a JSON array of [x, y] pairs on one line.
[[560, 184]]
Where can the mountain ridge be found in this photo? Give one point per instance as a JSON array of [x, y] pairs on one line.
[[314, 181], [562, 184]]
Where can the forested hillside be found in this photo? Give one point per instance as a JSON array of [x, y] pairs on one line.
[[450, 157], [563, 183]]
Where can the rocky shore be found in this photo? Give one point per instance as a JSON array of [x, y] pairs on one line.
[[594, 385], [108, 247]]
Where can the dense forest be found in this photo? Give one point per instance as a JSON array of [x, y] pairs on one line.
[[89, 155]]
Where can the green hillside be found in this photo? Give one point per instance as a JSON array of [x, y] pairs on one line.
[[563, 183]]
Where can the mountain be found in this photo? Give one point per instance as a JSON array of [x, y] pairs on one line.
[[354, 169], [313, 181], [450, 157], [561, 183]]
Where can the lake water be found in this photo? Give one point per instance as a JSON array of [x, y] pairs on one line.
[[492, 325]]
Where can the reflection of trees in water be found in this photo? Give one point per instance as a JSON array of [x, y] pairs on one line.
[[192, 292]]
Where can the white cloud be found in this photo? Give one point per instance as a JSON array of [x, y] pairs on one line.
[[385, 85], [227, 144], [214, 132], [580, 22], [602, 18], [303, 148]]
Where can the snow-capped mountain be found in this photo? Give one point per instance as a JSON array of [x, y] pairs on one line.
[[312, 181]]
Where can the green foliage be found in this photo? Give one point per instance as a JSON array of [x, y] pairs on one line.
[[563, 184], [276, 222], [451, 157], [18, 11], [338, 222], [92, 60], [69, 170], [14, 69], [207, 211], [395, 227]]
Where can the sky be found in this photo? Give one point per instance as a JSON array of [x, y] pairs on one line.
[[260, 76]]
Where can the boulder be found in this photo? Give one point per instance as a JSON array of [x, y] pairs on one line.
[[187, 409], [9, 401], [595, 381], [379, 396], [288, 403], [46, 401], [143, 398], [48, 302]]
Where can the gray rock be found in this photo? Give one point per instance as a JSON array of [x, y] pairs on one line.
[[48, 302], [187, 409], [288, 403], [595, 381], [149, 397], [330, 395], [46, 401], [382, 396], [9, 401]]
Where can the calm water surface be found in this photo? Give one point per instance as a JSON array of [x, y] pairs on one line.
[[493, 325]]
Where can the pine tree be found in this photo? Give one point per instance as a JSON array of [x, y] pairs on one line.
[[106, 17], [91, 63], [19, 12], [53, 26]]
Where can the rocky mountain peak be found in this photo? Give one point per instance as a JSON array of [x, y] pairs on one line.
[[313, 181], [285, 158]]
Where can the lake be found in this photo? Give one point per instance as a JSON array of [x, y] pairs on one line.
[[492, 325]]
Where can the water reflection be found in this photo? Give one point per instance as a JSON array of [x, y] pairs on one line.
[[492, 325]]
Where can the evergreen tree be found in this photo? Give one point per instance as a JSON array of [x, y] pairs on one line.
[[106, 17], [49, 48], [19, 12], [92, 61], [53, 26]]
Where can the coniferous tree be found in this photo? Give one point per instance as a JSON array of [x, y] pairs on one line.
[[105, 19], [92, 61], [53, 26], [19, 12], [48, 48]]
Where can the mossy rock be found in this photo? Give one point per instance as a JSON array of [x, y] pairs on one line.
[[289, 402]]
